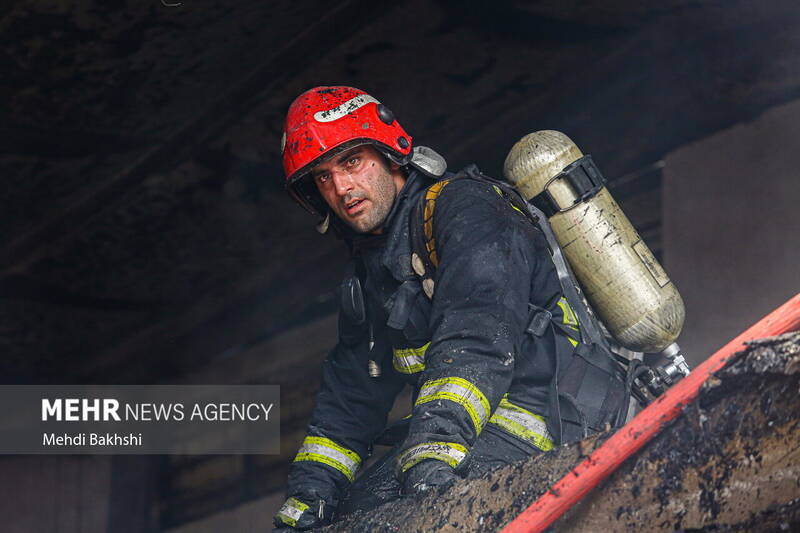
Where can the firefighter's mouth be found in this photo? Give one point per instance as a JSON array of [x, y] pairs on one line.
[[354, 206]]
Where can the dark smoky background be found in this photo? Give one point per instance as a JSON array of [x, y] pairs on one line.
[[146, 237]]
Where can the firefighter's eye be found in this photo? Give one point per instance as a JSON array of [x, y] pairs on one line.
[[353, 161], [322, 178]]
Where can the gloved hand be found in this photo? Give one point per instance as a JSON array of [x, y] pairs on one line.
[[296, 515], [428, 474]]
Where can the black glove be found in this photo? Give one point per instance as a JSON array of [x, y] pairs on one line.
[[296, 515], [429, 474]]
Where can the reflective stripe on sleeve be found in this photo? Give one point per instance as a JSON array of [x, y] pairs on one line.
[[409, 360], [450, 452], [290, 511], [460, 391], [326, 451], [522, 424]]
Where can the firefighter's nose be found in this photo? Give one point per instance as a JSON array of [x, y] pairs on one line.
[[342, 182]]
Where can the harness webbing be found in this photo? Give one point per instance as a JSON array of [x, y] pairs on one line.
[[431, 195], [594, 347]]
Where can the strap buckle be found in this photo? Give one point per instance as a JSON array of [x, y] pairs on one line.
[[540, 321], [583, 177]]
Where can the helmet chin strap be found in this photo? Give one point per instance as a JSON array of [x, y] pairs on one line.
[[324, 225]]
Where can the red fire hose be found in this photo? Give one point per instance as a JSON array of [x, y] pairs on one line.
[[631, 437]]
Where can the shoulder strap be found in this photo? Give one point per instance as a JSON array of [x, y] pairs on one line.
[[429, 204], [424, 259], [423, 246], [591, 332], [594, 347]]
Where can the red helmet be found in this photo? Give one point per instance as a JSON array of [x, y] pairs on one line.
[[324, 121]]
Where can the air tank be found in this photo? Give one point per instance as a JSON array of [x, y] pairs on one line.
[[625, 284]]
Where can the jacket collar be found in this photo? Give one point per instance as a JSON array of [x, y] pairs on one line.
[[395, 239]]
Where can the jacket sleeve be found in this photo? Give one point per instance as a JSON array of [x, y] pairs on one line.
[[478, 317], [351, 410]]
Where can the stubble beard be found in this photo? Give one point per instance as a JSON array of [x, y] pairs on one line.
[[380, 204]]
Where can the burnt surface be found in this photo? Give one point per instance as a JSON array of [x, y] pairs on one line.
[[730, 462]]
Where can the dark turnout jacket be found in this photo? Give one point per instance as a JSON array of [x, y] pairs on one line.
[[465, 351]]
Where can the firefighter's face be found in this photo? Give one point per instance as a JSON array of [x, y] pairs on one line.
[[359, 187]]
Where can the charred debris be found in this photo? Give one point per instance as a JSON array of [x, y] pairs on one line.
[[730, 462]]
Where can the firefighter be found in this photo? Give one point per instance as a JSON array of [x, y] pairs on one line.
[[455, 325]]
